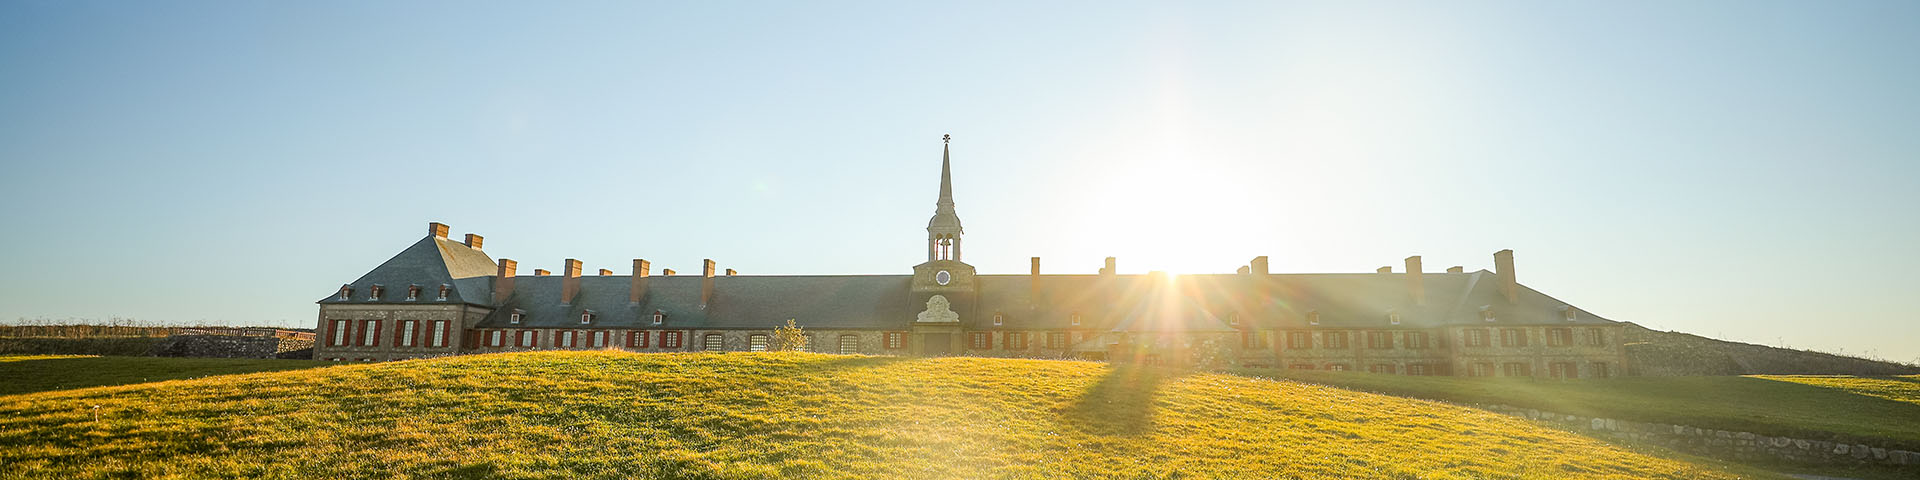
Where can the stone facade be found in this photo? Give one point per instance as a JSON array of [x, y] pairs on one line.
[[377, 332]]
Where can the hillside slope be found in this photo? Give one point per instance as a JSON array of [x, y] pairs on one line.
[[1656, 353], [621, 415]]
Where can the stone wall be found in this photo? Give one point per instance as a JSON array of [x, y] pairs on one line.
[[1738, 446], [216, 346]]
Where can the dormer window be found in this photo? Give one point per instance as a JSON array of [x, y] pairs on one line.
[[346, 292], [413, 292], [1075, 318], [1313, 318], [659, 317], [514, 318], [373, 292], [1570, 313], [1393, 318], [1486, 313], [586, 318], [444, 290], [1233, 319], [999, 319]]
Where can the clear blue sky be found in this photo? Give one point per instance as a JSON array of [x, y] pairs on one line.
[[1740, 169]]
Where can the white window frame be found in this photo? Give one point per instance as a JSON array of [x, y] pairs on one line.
[[713, 342], [659, 318], [369, 336], [406, 332], [586, 318], [999, 319], [444, 288], [413, 292], [496, 338], [340, 328], [600, 339], [1075, 318], [757, 342], [1313, 318], [527, 339], [1393, 318], [440, 333], [513, 318], [847, 348]]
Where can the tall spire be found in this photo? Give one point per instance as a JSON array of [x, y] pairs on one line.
[[943, 230], [945, 205]]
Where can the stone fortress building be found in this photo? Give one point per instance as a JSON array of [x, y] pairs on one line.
[[446, 297]]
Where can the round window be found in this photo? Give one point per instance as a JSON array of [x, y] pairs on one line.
[[943, 277]]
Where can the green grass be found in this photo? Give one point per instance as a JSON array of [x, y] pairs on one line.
[[1883, 411], [105, 345], [789, 415], [27, 374], [1905, 388]]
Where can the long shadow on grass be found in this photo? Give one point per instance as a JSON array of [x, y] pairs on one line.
[[1121, 403], [49, 374]]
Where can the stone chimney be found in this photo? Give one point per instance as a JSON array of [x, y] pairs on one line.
[[1416, 283], [540, 272], [437, 229], [1244, 270], [570, 281], [1110, 269], [1257, 270], [1503, 267], [706, 282], [666, 272], [1385, 269], [606, 272], [731, 272], [1456, 269], [1033, 281], [641, 269], [503, 281], [473, 241]]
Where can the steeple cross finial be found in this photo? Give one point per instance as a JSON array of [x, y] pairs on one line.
[[948, 138]]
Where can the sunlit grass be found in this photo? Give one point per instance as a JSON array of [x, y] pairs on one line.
[[620, 415], [1839, 408], [1904, 388]]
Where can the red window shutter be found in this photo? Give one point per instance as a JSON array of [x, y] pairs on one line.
[[396, 332]]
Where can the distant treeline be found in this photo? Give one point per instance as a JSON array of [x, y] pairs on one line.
[[116, 327]]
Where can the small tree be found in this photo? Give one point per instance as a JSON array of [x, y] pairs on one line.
[[790, 338]]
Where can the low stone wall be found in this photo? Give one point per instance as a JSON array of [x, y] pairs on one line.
[[217, 346], [1739, 446]]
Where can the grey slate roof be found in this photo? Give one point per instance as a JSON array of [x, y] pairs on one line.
[[760, 302], [1136, 303], [429, 263]]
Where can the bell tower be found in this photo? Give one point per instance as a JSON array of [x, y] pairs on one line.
[[943, 230], [943, 285]]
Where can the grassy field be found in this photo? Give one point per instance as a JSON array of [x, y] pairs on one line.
[[26, 374], [1884, 411], [621, 415]]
